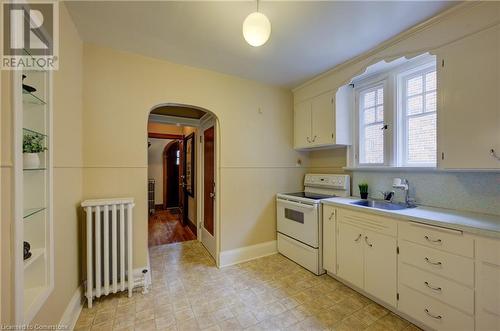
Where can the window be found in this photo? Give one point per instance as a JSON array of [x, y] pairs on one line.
[[397, 114], [371, 147], [419, 117]]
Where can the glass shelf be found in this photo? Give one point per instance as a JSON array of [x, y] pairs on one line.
[[36, 133], [32, 211], [32, 99], [35, 254], [34, 169]]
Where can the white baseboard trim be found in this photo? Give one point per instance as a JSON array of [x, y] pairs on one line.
[[247, 253], [73, 310]]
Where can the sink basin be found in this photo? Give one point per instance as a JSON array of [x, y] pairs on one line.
[[380, 204]]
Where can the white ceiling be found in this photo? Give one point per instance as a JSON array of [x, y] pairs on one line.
[[307, 37]]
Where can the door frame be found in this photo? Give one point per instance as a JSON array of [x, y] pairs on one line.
[[165, 171], [209, 119], [163, 136]]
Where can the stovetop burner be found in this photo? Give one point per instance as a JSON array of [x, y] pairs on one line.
[[308, 195]]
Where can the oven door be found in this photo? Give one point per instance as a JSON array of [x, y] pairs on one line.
[[299, 221]]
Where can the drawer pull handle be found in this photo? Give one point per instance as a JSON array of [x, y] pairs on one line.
[[433, 263], [366, 240], [331, 215], [438, 317], [436, 241], [433, 288], [357, 239]]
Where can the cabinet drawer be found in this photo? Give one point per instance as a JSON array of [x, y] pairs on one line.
[[488, 250], [488, 288], [440, 263], [486, 321], [371, 222], [433, 313], [437, 287], [452, 241]]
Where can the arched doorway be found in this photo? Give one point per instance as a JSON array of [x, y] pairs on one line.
[[201, 177]]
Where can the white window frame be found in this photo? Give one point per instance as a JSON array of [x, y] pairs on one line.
[[402, 77], [392, 116], [384, 81]]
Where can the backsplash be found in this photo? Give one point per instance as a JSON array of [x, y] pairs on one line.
[[476, 192]]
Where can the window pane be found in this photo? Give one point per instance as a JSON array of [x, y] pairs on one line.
[[380, 96], [380, 113], [414, 105], [369, 99], [369, 115], [430, 102], [373, 145], [414, 86], [430, 81], [422, 139]]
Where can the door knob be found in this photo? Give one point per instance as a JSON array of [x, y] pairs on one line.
[[212, 195]]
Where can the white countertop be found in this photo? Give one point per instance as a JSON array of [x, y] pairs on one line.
[[480, 224]]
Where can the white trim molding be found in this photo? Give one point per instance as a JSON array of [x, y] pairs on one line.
[[73, 310], [247, 253]]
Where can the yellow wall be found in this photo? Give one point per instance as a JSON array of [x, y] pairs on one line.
[[68, 156], [67, 131], [257, 159], [6, 201]]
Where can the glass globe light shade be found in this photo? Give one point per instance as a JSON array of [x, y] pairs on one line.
[[256, 29]]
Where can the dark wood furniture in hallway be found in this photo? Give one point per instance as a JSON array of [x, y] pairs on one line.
[[165, 227]]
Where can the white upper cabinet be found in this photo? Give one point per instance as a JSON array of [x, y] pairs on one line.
[[302, 124], [324, 120], [469, 116]]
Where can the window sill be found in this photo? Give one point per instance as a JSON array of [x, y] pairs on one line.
[[393, 169]]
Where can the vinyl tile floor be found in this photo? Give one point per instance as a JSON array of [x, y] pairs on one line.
[[189, 292]]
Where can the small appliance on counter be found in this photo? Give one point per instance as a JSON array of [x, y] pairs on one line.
[[299, 218]]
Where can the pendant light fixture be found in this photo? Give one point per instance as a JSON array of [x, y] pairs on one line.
[[256, 28]]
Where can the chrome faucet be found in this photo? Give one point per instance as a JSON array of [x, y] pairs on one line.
[[388, 195], [403, 184]]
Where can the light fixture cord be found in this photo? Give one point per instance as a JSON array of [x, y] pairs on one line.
[[257, 5]]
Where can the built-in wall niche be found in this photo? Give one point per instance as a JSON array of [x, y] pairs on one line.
[[33, 272]]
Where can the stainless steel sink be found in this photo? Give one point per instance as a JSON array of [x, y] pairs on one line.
[[381, 204]]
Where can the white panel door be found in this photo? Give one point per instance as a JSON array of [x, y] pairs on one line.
[[469, 118], [380, 266], [350, 254], [323, 119], [302, 125], [329, 239]]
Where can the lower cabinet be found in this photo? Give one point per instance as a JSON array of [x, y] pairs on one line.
[[380, 266], [367, 259], [488, 285], [443, 279], [350, 254]]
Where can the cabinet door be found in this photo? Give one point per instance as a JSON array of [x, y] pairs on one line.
[[350, 254], [302, 124], [323, 119], [380, 266], [469, 118], [329, 239], [488, 297]]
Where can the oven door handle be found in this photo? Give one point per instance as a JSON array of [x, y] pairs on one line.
[[297, 204]]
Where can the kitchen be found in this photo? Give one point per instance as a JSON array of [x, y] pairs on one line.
[[346, 170]]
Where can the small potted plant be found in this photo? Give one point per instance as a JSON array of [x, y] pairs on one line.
[[32, 147], [363, 190]]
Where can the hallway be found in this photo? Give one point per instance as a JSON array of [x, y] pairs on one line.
[[165, 227], [270, 293]]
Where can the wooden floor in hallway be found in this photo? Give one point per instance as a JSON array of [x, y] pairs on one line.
[[165, 227]]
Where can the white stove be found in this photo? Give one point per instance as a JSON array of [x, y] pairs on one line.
[[299, 218]]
